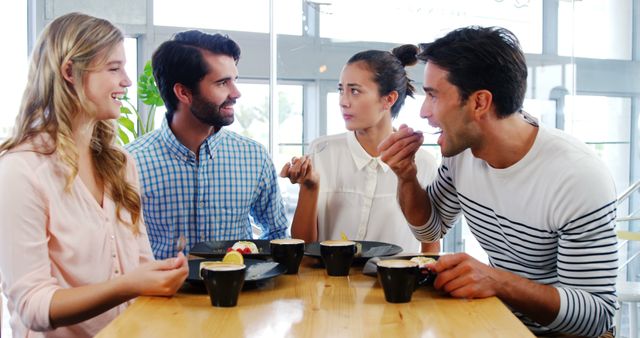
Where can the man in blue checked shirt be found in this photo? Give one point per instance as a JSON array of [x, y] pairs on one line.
[[197, 178]]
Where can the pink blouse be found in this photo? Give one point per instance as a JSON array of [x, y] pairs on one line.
[[52, 239]]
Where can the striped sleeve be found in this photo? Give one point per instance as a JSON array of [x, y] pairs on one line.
[[445, 207], [587, 269]]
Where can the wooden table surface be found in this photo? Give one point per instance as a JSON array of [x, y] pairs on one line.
[[312, 304]]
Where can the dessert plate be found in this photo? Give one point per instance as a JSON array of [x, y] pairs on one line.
[[257, 271], [217, 249], [369, 249]]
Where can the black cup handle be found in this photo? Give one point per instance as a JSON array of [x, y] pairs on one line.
[[424, 279]]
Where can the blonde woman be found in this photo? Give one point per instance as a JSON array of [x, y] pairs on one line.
[[73, 249]]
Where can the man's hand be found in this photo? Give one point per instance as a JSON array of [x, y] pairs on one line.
[[398, 151], [462, 276]]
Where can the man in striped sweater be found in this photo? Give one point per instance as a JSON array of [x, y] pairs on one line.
[[540, 203]]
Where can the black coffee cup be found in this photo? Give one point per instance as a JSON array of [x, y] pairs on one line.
[[288, 252], [337, 256], [399, 278], [223, 282]]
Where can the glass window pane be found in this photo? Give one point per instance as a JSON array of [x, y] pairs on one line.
[[237, 15], [288, 136], [603, 123], [252, 118], [598, 118], [609, 38], [335, 123], [252, 112], [543, 110], [13, 18], [131, 53], [432, 19]]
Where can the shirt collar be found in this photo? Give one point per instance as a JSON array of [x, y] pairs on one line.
[[180, 151], [360, 156], [212, 142]]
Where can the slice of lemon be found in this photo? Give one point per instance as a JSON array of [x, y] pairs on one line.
[[343, 236], [233, 257]]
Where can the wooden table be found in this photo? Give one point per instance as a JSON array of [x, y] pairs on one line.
[[312, 304]]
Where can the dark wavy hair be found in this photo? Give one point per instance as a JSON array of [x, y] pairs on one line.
[[180, 60], [478, 58], [389, 71]]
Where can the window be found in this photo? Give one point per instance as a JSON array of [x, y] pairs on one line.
[[415, 21], [603, 123], [595, 29], [237, 15], [252, 120], [13, 18], [131, 53]]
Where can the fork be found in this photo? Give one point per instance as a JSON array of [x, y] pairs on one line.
[[181, 243], [322, 146]]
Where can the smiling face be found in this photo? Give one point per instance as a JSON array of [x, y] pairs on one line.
[[443, 108], [361, 105], [217, 92], [105, 86]]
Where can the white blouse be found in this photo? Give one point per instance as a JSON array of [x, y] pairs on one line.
[[358, 192]]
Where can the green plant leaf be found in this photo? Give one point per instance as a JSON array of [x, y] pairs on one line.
[[147, 88], [123, 137], [125, 111], [130, 117], [127, 124]]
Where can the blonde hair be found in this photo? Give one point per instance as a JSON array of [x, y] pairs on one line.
[[50, 103]]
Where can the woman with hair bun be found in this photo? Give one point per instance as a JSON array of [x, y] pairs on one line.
[[344, 186]]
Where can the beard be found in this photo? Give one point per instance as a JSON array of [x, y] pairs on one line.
[[462, 136], [208, 112]]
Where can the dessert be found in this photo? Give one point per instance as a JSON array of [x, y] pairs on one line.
[[423, 261], [244, 247]]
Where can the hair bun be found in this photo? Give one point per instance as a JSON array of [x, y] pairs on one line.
[[406, 54]]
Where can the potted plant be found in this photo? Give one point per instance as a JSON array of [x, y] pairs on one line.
[[131, 124]]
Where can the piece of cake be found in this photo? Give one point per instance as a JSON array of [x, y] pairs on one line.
[[423, 261], [245, 247]]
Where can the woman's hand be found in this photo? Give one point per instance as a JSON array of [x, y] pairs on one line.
[[159, 278], [300, 171]]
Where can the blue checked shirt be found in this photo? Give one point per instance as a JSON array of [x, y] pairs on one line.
[[213, 198]]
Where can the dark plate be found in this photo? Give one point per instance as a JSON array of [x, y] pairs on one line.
[[249, 282], [217, 249], [369, 249]]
